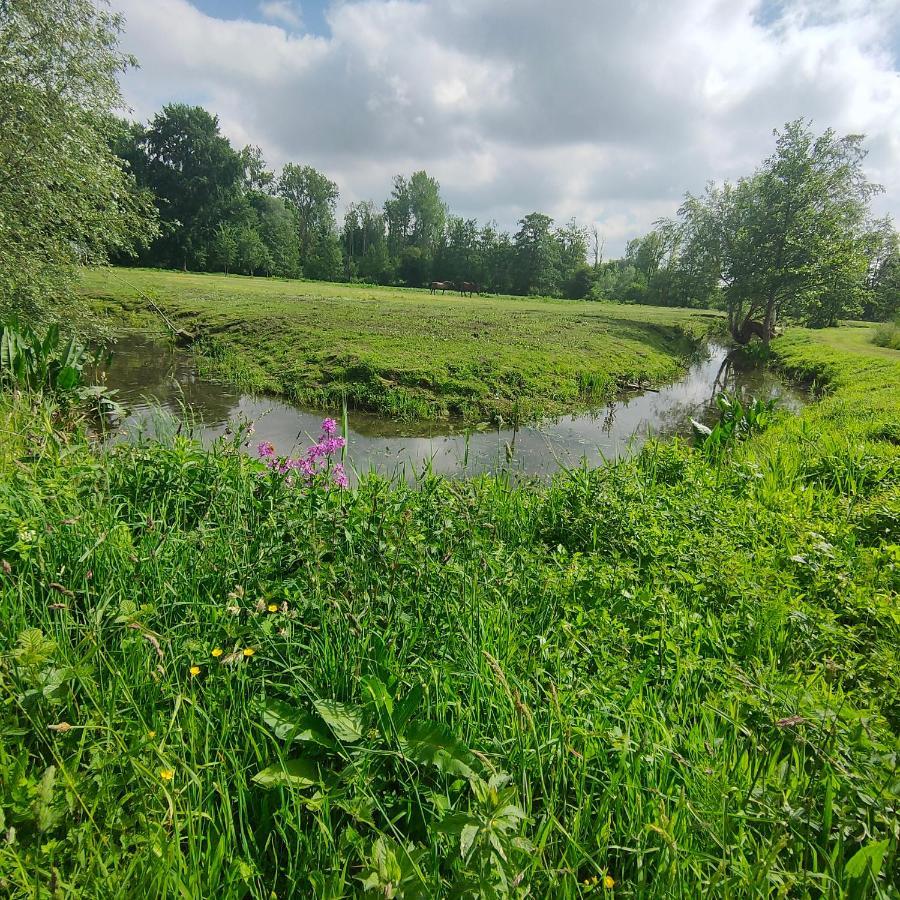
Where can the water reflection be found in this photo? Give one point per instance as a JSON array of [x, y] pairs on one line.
[[150, 377]]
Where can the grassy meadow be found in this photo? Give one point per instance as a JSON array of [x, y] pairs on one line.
[[675, 677], [403, 352]]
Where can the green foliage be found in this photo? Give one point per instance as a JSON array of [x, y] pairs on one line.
[[312, 197], [888, 335], [56, 368], [687, 671], [737, 421], [792, 239], [65, 199], [32, 363]]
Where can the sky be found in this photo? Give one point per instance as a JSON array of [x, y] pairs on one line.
[[604, 110]]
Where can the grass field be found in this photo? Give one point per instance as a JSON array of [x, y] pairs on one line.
[[403, 352], [676, 677]]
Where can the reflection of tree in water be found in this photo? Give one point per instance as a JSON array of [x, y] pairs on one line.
[[609, 420], [142, 369]]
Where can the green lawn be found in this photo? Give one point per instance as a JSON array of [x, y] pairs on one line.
[[403, 352]]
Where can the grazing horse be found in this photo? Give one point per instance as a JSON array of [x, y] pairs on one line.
[[469, 287], [441, 286]]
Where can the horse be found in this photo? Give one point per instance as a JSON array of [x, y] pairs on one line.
[[441, 286], [469, 287]]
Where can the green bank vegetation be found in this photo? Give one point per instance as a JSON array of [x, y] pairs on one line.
[[678, 673], [406, 353], [676, 676]]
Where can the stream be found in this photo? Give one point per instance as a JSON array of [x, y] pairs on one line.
[[158, 385]]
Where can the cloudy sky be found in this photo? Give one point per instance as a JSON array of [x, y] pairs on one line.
[[599, 109]]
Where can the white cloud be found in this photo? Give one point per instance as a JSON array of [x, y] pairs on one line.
[[282, 11], [603, 110]]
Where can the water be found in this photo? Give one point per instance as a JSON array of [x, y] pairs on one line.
[[151, 377]]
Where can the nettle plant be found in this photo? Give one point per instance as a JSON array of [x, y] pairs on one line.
[[407, 788]]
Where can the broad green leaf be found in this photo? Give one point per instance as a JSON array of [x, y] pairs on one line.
[[346, 722], [869, 857], [293, 724], [297, 772], [67, 379], [407, 706], [467, 838], [454, 823], [433, 744]]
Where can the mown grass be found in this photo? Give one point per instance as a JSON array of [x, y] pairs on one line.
[[405, 353], [688, 669]]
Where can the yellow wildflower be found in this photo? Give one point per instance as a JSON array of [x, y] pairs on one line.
[[217, 652], [249, 651], [151, 735], [272, 607], [195, 670], [166, 774], [609, 882]]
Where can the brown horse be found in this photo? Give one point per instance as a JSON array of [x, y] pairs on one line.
[[469, 287], [441, 286]]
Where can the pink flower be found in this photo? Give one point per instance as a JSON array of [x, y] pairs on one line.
[[328, 426], [265, 449], [340, 476]]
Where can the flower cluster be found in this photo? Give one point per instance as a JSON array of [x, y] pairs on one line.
[[318, 459]]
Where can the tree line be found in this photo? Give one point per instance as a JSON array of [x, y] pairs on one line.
[[222, 210], [795, 239]]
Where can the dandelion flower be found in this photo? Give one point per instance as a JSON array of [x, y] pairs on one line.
[[609, 882], [249, 651], [166, 774], [195, 670], [272, 607], [217, 652]]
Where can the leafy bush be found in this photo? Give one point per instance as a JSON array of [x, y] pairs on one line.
[[736, 422], [47, 364], [888, 335]]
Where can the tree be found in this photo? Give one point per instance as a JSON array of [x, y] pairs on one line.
[[415, 215], [428, 211], [536, 256], [65, 198], [882, 292], [251, 257], [277, 227], [257, 177], [197, 179], [791, 238], [313, 197], [597, 244], [223, 251], [571, 257], [398, 216]]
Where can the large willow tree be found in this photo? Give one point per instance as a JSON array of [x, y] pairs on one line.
[[65, 199], [793, 239]]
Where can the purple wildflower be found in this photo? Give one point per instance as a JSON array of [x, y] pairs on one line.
[[318, 461]]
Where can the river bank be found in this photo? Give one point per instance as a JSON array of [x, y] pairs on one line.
[[402, 353], [685, 666]]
